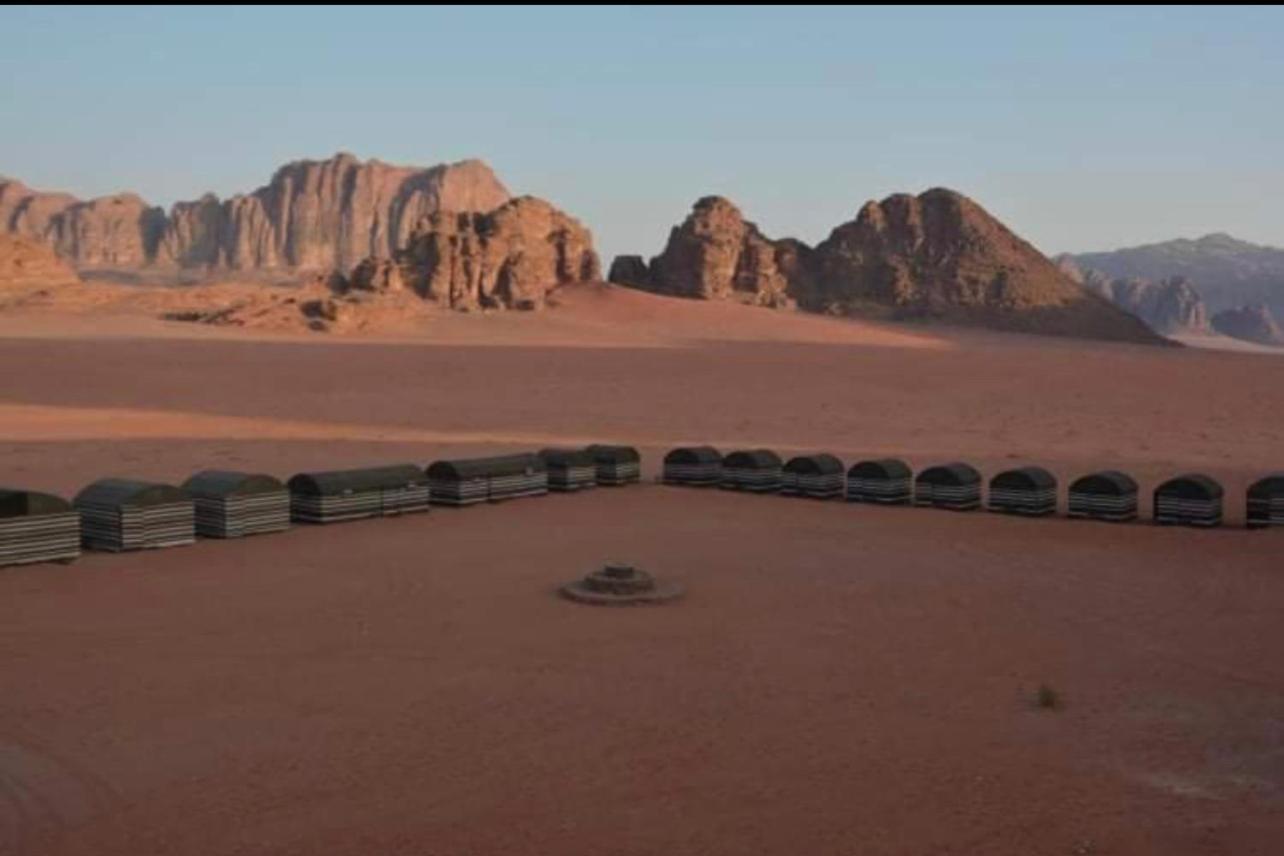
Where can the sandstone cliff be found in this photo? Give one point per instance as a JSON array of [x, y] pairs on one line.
[[312, 215], [512, 257], [937, 255]]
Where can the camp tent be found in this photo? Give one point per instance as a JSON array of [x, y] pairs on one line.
[[955, 486], [1029, 491], [819, 476], [1193, 499], [887, 481], [338, 495], [756, 470], [127, 514], [1108, 495], [37, 527], [616, 465], [698, 466], [232, 504]]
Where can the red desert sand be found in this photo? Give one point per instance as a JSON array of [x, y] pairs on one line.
[[838, 679]]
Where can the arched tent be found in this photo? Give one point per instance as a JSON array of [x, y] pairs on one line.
[[37, 527], [467, 481], [1193, 499], [339, 495], [756, 470], [698, 466], [1030, 491], [1266, 502], [616, 465], [1108, 495], [127, 514], [459, 482], [569, 469], [887, 481], [819, 476], [513, 476], [232, 504], [955, 486]]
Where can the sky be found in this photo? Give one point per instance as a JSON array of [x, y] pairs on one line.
[[1083, 129]]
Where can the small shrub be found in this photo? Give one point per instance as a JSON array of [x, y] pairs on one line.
[[1046, 698]]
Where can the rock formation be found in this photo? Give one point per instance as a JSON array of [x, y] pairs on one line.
[[118, 231], [1169, 307], [511, 257], [24, 262], [1253, 323], [714, 254], [312, 215], [1230, 273], [936, 255], [940, 255]]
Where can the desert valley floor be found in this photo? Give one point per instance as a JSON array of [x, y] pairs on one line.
[[838, 679]]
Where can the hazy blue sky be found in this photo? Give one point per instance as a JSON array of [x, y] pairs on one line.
[[1082, 128]]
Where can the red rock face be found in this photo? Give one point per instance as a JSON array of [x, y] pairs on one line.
[[313, 215], [715, 254], [108, 232], [512, 257], [936, 255]]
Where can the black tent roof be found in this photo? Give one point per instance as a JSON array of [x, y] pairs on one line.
[[131, 492], [606, 454], [957, 473], [886, 469], [693, 455], [464, 469], [337, 482], [1109, 482], [820, 464], [1267, 487], [217, 484], [1191, 486], [1024, 478], [16, 502], [757, 459], [566, 457]]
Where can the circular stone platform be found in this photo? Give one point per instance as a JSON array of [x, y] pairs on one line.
[[618, 584]]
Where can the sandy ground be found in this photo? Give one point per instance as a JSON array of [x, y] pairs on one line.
[[839, 679]]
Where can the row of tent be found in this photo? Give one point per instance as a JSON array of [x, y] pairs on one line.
[[125, 514], [1188, 500]]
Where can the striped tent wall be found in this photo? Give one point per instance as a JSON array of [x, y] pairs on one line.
[[1189, 500], [887, 481], [1265, 502], [37, 527], [956, 487], [1108, 495]]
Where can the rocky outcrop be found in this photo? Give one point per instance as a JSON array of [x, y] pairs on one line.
[[1169, 307], [631, 271], [108, 232], [512, 257], [940, 255], [715, 254], [1253, 323], [936, 255], [312, 215], [1230, 273], [25, 262]]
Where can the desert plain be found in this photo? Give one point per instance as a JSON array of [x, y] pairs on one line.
[[838, 679]]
